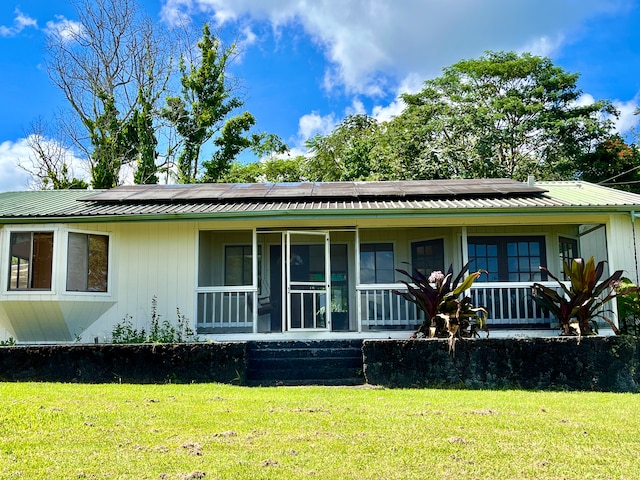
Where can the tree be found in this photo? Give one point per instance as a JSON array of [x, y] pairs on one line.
[[501, 115], [108, 65], [146, 142], [201, 110], [613, 163], [49, 166], [344, 154], [269, 170]]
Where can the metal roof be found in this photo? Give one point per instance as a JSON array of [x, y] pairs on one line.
[[342, 198]]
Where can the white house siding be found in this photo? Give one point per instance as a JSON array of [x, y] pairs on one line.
[[623, 254], [150, 259]]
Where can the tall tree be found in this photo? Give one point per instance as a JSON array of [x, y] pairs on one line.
[[101, 64], [613, 163], [203, 110], [345, 154], [501, 115]]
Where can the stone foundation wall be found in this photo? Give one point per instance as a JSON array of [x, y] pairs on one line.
[[142, 363], [597, 363]]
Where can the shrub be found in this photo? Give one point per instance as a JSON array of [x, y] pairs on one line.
[[580, 303], [448, 312], [159, 331], [628, 297]]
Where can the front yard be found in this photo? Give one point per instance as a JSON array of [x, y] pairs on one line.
[[53, 430]]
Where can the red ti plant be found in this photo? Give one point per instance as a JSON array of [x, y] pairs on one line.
[[448, 312], [580, 303]]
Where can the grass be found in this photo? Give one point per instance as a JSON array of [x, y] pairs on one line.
[[50, 430]]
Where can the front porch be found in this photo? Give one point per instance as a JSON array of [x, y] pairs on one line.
[[338, 283]]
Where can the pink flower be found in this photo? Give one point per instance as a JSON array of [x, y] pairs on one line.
[[436, 276]]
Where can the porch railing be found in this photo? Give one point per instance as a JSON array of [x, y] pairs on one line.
[[381, 309], [225, 309], [508, 303]]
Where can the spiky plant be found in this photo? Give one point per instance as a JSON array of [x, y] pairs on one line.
[[579, 305], [448, 312]]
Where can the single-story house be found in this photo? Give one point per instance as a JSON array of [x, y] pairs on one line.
[[293, 260]]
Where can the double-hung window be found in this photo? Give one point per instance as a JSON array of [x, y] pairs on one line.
[[87, 262], [30, 260]]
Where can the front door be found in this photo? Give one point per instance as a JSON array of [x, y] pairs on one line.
[[308, 280]]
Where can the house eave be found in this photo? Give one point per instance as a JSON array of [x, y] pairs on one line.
[[397, 213]]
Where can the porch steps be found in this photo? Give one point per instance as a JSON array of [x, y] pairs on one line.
[[315, 362]]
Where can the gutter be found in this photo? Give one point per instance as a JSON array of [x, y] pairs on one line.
[[338, 213]]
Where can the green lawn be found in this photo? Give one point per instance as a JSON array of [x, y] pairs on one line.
[[65, 431]]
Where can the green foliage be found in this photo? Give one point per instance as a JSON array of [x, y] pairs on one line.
[[270, 170], [201, 110], [501, 115], [448, 311], [9, 342], [160, 331], [146, 142], [113, 141], [582, 302], [628, 299], [346, 153], [124, 332], [613, 163]]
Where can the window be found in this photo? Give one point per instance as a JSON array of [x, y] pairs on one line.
[[376, 263], [238, 265], [87, 262], [568, 249], [508, 259], [428, 256], [31, 260]]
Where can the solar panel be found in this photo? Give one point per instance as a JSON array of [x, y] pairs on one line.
[[271, 191]]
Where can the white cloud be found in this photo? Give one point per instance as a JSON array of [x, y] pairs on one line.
[[20, 22], [543, 46], [17, 157], [314, 124], [64, 28], [371, 44], [628, 118], [13, 177]]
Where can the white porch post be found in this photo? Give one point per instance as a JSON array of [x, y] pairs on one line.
[[357, 274], [254, 271], [465, 246], [284, 310]]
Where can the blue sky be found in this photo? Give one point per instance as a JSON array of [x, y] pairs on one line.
[[306, 64]]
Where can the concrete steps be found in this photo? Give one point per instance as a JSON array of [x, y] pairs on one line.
[[317, 362]]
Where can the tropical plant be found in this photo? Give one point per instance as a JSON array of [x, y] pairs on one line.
[[448, 312], [578, 305], [628, 297], [159, 331]]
